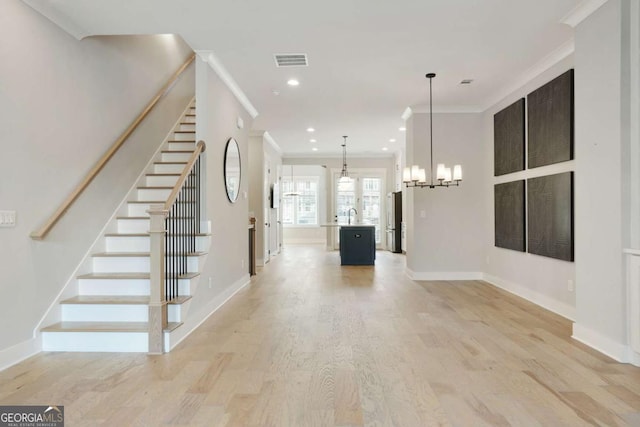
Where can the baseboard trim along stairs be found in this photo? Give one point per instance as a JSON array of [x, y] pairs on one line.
[[110, 310]]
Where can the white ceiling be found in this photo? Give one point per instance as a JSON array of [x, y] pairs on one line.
[[367, 58]]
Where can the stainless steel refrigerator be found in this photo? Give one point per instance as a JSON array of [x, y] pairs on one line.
[[394, 220]]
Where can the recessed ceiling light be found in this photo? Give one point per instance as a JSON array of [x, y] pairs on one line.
[[275, 92], [402, 129], [314, 149], [311, 130], [293, 82], [312, 141], [384, 148], [392, 140]]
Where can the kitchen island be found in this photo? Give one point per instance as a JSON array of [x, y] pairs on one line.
[[357, 244]]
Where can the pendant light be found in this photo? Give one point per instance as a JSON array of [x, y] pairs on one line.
[[415, 176], [344, 175], [293, 192]]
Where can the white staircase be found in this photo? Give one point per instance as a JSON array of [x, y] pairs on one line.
[[110, 311]]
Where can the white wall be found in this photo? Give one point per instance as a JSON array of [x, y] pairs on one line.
[[445, 237], [600, 283], [226, 267], [256, 190], [63, 102], [309, 234], [262, 152], [540, 279]]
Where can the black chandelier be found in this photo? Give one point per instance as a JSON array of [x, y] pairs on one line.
[[415, 176]]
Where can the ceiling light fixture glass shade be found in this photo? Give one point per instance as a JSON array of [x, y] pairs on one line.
[[415, 176], [344, 174], [293, 192]]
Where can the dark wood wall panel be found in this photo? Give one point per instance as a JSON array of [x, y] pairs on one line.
[[550, 216], [508, 139], [550, 122], [510, 215]]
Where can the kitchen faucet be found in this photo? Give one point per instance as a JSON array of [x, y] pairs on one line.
[[355, 213]]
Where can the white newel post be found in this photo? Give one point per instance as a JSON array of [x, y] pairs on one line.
[[157, 301]]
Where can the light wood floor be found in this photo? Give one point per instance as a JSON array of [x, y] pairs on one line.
[[310, 343]]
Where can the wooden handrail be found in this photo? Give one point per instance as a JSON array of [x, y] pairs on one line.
[[44, 230], [200, 147]]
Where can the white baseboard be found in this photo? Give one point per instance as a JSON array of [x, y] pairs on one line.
[[615, 350], [19, 352], [544, 301], [259, 262], [193, 321], [444, 275]]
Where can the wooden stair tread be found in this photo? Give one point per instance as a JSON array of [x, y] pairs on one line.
[[141, 254], [154, 188], [131, 276], [107, 299], [177, 151], [170, 163], [98, 327], [105, 327], [146, 217], [119, 300], [184, 131], [157, 202], [162, 174], [147, 234], [188, 141]]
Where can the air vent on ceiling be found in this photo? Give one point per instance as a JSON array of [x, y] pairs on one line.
[[291, 60], [466, 82]]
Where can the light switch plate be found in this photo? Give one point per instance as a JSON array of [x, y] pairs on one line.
[[7, 218]]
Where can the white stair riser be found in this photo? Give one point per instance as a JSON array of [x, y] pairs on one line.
[[141, 225], [132, 264], [189, 126], [119, 342], [141, 244], [161, 181], [133, 225], [174, 313], [127, 244], [182, 146], [138, 209], [105, 312], [124, 287], [153, 194], [168, 168], [175, 157], [190, 136]]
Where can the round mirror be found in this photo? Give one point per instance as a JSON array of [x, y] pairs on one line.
[[232, 170]]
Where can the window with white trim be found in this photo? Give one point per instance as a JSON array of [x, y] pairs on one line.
[[301, 209]]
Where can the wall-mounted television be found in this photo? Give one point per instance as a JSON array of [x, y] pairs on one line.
[[275, 196]]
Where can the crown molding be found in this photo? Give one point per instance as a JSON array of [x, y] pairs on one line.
[[582, 12], [314, 155], [210, 58], [50, 12], [452, 109], [540, 67], [272, 142]]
